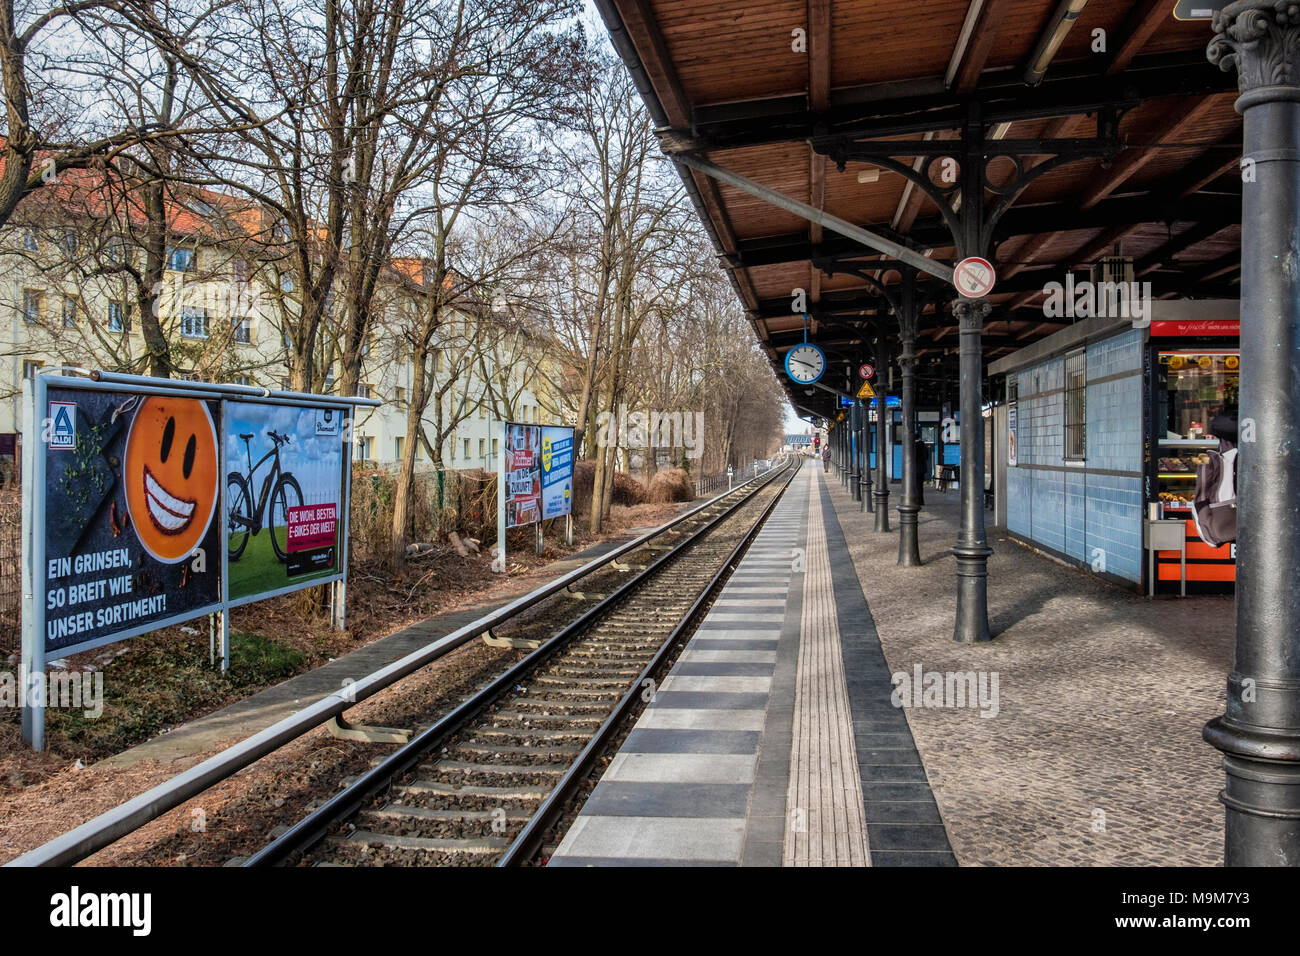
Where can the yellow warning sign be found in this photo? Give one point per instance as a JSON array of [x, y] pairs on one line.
[[866, 391]]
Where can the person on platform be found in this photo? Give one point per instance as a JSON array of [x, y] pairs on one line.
[[826, 457], [1214, 505]]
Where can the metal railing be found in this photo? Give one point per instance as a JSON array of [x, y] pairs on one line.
[[108, 827], [713, 484]]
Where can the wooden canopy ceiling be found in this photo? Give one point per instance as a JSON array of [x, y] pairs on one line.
[[793, 93]]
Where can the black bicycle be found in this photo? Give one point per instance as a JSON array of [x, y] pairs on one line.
[[280, 489]]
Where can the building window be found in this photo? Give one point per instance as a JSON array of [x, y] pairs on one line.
[[192, 376], [242, 380], [495, 445], [69, 243], [243, 332], [194, 323], [70, 306], [1076, 405], [365, 391], [115, 250], [29, 240], [180, 260], [466, 447], [33, 305], [328, 386], [437, 362], [239, 268], [397, 447], [118, 318], [30, 367], [482, 447], [284, 385], [365, 444], [401, 395], [286, 282]]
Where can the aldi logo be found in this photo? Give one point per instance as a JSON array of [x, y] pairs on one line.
[[63, 424]]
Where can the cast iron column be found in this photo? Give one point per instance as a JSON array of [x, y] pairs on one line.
[[909, 547], [863, 460], [1259, 732], [972, 550], [882, 436], [854, 471], [855, 416], [843, 432], [866, 464]]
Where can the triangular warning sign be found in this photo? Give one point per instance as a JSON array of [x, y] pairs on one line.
[[866, 391]]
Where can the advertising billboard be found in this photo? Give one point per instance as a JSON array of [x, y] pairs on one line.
[[556, 471], [131, 506], [285, 482], [523, 480]]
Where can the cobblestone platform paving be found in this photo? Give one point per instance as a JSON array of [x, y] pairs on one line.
[[1095, 754]]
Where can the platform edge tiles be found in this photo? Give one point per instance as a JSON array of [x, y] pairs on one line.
[[765, 686]]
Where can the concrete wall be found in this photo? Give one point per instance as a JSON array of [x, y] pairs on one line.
[[1088, 511]]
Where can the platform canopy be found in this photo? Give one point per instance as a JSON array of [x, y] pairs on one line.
[[1104, 130]]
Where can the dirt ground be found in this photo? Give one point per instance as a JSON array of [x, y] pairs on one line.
[[43, 795]]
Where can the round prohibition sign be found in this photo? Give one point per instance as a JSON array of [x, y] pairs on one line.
[[974, 277], [866, 371]]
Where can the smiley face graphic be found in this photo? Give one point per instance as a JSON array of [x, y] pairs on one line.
[[170, 474]]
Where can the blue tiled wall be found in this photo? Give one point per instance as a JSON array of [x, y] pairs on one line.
[[1085, 516]]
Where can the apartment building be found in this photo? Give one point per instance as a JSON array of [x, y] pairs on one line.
[[226, 309]]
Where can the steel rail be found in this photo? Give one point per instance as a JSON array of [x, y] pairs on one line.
[[112, 825], [311, 828], [529, 839]]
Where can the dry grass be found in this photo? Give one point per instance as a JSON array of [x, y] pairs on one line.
[[672, 484]]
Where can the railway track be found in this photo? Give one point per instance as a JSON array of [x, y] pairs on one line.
[[485, 783]]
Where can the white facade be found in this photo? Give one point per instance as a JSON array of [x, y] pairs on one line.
[[222, 323]]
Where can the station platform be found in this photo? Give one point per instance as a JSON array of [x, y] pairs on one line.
[[774, 741]]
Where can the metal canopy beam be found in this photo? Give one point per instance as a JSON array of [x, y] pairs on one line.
[[1043, 219], [762, 122], [869, 239]]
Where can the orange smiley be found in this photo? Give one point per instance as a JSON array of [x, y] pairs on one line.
[[170, 473]]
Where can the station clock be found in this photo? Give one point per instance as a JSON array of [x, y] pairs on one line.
[[805, 363]]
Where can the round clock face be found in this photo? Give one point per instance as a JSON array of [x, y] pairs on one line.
[[805, 363]]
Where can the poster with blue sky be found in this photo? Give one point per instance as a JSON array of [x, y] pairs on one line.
[[284, 496]]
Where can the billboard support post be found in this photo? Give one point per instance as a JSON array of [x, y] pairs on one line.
[[499, 564], [33, 644], [568, 529], [225, 640]]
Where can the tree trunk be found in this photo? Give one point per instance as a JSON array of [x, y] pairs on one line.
[[406, 470]]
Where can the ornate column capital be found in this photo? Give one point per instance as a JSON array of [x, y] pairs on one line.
[[1260, 39], [971, 313]]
